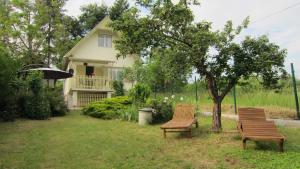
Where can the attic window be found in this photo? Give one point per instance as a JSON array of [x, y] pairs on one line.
[[105, 40]]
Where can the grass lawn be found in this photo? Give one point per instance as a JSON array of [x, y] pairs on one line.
[[276, 105], [77, 141]]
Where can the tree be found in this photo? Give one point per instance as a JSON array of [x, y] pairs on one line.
[[8, 76], [91, 15], [50, 16], [118, 8], [32, 29], [22, 33], [215, 55]]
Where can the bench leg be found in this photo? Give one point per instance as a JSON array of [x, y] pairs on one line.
[[244, 143], [165, 133], [281, 146], [190, 133], [197, 124]]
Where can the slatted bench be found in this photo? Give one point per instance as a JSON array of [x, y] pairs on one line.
[[252, 125], [182, 121]]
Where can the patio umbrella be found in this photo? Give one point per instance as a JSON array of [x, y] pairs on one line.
[[50, 73]]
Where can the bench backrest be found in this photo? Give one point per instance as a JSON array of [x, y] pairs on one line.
[[184, 112], [257, 127], [249, 113]]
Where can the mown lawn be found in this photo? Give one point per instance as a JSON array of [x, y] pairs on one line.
[[77, 141]]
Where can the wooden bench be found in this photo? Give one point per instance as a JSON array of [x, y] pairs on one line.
[[252, 125], [182, 121]]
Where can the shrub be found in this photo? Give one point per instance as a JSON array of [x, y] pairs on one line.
[[8, 94], [129, 114], [7, 115], [58, 106], [37, 107], [118, 87], [107, 108], [163, 110], [139, 93]]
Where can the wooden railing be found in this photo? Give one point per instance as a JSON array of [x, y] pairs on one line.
[[91, 82]]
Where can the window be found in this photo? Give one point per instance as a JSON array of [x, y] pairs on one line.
[[115, 73], [105, 40], [89, 70]]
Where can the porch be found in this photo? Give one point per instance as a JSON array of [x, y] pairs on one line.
[[93, 83]]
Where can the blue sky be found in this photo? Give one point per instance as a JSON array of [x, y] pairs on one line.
[[282, 28]]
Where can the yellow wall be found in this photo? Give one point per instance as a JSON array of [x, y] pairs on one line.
[[88, 49]]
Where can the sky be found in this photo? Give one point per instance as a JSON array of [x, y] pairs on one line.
[[278, 19]]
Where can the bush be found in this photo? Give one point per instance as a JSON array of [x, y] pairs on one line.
[[8, 94], [36, 104], [130, 113], [118, 87], [163, 110], [8, 115], [107, 108], [37, 107], [58, 106], [140, 93]]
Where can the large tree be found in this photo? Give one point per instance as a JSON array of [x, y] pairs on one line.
[[118, 8], [33, 30], [216, 56], [91, 15], [50, 16]]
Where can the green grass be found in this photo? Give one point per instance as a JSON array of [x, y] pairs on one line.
[[277, 105], [77, 141]]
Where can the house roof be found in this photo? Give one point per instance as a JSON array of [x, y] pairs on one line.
[[103, 24]]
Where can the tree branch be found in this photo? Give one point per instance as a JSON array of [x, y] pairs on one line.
[[22, 40], [231, 83]]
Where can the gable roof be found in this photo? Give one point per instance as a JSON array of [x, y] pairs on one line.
[[103, 24]]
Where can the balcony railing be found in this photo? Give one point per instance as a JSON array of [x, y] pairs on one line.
[[91, 82]]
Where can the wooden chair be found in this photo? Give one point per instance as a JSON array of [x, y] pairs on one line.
[[252, 125], [182, 121], [250, 114]]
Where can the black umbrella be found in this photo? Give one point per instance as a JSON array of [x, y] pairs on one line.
[[50, 73]]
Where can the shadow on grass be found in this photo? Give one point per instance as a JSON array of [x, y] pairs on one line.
[[266, 146], [200, 132], [273, 146]]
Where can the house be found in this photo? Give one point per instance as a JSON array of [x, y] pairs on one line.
[[94, 66]]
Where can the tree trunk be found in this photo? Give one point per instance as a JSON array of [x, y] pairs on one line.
[[216, 122]]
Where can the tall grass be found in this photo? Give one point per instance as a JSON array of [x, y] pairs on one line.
[[282, 103]]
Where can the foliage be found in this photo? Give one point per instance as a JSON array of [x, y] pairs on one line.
[[157, 73], [37, 107], [215, 55], [118, 87], [8, 94], [163, 110], [139, 93], [36, 104], [119, 7], [91, 15], [130, 113], [34, 30], [107, 108], [58, 106]]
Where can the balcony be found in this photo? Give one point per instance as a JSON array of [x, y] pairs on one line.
[[93, 83]]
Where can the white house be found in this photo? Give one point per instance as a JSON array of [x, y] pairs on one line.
[[94, 65]]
